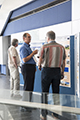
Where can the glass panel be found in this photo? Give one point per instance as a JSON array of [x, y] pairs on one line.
[[32, 105]]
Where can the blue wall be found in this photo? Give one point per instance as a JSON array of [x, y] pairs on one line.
[[29, 7], [37, 83], [55, 15]]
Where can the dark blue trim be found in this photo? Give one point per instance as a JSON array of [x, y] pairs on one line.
[[71, 90], [56, 15], [0, 68], [6, 23]]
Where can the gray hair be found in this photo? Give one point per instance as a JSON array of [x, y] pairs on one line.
[[14, 42], [51, 35]]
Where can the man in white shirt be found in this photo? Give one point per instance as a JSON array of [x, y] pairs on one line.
[[13, 63]]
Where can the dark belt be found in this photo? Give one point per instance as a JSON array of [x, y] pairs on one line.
[[29, 64], [51, 67]]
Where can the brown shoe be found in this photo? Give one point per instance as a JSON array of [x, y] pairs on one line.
[[42, 118]]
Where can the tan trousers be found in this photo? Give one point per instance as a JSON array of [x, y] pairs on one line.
[[14, 81]]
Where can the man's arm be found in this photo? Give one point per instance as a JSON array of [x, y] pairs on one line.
[[30, 56], [63, 67], [15, 62], [39, 63], [62, 71], [41, 54]]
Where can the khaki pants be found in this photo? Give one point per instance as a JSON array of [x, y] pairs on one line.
[[14, 80]]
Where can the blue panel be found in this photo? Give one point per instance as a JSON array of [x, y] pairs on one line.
[[0, 68], [71, 89], [21, 79], [66, 69], [37, 83], [52, 16], [3, 69], [65, 11], [68, 100], [30, 6]]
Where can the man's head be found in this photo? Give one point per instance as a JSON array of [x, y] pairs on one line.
[[15, 42], [27, 38], [50, 36]]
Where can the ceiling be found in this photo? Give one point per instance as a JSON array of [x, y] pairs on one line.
[[7, 6]]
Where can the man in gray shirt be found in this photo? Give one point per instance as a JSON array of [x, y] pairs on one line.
[[52, 55]]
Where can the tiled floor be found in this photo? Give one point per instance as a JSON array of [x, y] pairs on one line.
[[14, 112], [4, 82], [10, 112]]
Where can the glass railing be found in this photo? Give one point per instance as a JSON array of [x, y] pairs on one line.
[[37, 106]]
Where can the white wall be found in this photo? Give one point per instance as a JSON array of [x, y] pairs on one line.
[[75, 16], [4, 43], [75, 9], [1, 51], [63, 29], [7, 6]]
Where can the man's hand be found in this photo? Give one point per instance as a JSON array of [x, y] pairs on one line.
[[35, 52], [15, 63], [39, 63], [39, 67], [62, 75], [16, 66], [30, 56]]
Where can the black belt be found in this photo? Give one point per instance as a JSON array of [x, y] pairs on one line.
[[29, 64]]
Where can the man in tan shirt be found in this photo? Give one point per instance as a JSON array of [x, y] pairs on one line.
[[13, 63]]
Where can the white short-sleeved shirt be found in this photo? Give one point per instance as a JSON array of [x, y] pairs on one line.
[[12, 52]]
